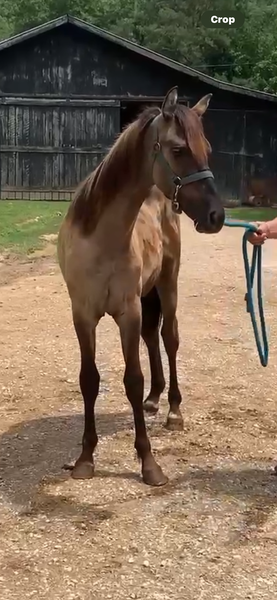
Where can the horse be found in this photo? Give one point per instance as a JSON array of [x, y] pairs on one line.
[[119, 254]]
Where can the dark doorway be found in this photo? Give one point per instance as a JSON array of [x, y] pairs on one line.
[[129, 111]]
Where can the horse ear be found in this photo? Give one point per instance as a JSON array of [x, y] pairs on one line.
[[202, 105], [170, 103]]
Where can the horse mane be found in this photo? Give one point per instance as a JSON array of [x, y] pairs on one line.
[[100, 187], [121, 162]]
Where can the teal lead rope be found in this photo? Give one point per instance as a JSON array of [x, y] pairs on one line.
[[250, 271]]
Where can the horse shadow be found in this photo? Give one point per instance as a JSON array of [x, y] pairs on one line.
[[33, 451]]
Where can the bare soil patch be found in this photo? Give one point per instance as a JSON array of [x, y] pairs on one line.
[[211, 534]]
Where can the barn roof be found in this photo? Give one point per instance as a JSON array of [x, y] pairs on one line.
[[133, 47]]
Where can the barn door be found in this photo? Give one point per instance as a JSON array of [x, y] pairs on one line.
[[225, 132], [48, 147], [261, 143]]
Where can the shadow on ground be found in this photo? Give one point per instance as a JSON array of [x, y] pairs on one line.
[[36, 450]]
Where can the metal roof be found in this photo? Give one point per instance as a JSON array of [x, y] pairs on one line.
[[133, 47]]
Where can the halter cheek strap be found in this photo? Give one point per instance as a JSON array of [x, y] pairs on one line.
[[177, 181]]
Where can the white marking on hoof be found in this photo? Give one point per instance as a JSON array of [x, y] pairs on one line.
[[174, 417]]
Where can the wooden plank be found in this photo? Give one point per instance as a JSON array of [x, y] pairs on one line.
[[11, 171], [95, 98], [25, 116], [50, 150], [4, 169], [36, 101], [11, 130]]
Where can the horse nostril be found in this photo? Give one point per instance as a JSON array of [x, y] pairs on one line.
[[213, 218]]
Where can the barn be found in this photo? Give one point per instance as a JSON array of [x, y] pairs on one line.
[[67, 88]]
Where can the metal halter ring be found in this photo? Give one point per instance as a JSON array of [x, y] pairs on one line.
[[175, 203]]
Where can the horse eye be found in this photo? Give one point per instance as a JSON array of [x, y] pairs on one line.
[[178, 150]]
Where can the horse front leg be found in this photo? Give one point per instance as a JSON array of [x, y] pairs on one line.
[[89, 384], [130, 330]]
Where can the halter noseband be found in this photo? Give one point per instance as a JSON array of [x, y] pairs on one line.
[[177, 181]]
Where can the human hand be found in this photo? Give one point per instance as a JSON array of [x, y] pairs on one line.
[[257, 238]]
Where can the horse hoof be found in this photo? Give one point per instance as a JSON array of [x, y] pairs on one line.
[[83, 470], [174, 422], [154, 477], [151, 406]]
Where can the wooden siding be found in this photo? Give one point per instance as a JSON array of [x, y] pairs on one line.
[[60, 96], [50, 146], [244, 146], [68, 61]]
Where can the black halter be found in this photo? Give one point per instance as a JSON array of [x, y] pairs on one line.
[[177, 181]]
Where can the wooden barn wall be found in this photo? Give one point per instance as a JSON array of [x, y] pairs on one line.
[[67, 62], [73, 81], [47, 148], [49, 145], [244, 145]]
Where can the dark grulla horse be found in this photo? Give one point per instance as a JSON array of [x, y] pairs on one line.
[[119, 253]]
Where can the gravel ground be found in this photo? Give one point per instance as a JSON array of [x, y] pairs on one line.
[[211, 534]]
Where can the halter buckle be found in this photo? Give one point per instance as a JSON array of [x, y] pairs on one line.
[[157, 147], [176, 207], [175, 204]]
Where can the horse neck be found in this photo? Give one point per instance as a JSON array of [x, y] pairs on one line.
[[132, 179]]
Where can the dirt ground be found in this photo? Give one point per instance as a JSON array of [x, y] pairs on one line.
[[211, 534]]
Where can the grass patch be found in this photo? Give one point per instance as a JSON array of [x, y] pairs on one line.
[[22, 223], [245, 213]]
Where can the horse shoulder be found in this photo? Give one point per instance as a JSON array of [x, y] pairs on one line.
[[171, 233]]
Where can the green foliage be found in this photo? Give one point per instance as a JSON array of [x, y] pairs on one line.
[[246, 55], [254, 49]]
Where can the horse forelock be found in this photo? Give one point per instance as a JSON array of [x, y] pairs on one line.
[[192, 130]]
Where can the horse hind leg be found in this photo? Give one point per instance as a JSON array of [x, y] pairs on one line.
[[167, 290], [89, 384], [170, 337], [130, 330], [151, 317]]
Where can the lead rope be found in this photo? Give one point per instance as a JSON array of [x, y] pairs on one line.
[[250, 271]]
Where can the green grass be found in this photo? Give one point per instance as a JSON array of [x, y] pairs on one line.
[[22, 223], [246, 213]]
